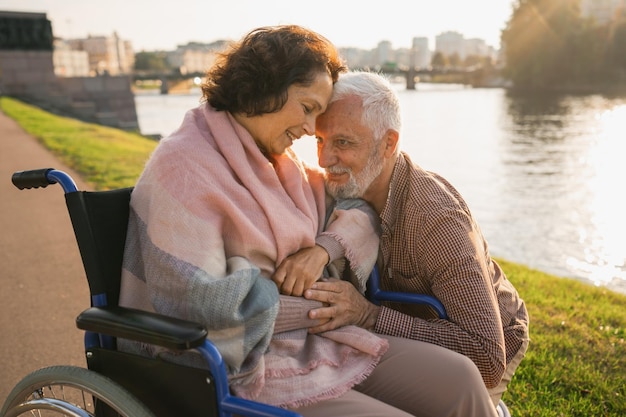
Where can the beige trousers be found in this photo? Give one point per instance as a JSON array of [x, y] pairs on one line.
[[413, 379]]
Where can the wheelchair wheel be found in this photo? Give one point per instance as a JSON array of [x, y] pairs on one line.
[[71, 391]]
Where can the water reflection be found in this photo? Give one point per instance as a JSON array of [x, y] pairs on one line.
[[607, 245], [543, 175], [562, 157]]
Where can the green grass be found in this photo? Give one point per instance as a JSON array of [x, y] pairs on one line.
[[576, 362], [104, 157]]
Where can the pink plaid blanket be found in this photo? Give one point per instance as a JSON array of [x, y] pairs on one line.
[[211, 218]]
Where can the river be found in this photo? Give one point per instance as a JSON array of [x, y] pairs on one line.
[[544, 176]]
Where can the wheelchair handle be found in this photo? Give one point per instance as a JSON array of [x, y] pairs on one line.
[[43, 177]]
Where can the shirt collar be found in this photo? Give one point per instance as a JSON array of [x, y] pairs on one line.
[[397, 189]]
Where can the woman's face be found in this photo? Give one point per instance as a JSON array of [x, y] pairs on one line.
[[275, 132]]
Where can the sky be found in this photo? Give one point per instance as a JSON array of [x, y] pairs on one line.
[[162, 25]]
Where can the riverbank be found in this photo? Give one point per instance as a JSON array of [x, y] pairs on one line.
[[577, 359]]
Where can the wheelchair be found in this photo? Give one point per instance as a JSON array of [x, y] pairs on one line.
[[116, 383]]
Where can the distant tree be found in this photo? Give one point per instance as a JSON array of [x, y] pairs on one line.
[[439, 60], [538, 42], [589, 48], [473, 61], [617, 50], [454, 60], [151, 61]]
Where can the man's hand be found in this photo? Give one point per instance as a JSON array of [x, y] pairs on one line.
[[345, 306], [300, 270]]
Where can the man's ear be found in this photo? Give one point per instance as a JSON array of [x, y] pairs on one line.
[[391, 142]]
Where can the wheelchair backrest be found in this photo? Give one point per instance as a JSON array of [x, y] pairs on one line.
[[100, 221]]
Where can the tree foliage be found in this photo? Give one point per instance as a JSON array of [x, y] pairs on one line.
[[617, 51], [151, 61], [439, 60], [547, 44]]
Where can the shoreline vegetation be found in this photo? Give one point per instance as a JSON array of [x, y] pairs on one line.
[[576, 362]]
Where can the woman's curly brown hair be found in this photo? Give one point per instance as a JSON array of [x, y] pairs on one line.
[[253, 75]]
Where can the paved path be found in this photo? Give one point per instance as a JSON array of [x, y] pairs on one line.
[[42, 284]]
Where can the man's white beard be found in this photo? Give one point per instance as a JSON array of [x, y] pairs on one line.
[[357, 184]]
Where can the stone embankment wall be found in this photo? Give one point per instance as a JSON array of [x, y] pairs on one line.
[[27, 73]]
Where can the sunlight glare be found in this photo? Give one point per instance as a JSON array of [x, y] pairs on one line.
[[607, 160]]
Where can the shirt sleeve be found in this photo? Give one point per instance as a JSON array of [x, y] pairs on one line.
[[458, 268], [332, 246], [446, 254], [394, 323]]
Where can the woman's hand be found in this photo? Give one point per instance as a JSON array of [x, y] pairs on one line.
[[300, 270]]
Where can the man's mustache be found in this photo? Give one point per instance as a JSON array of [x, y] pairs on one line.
[[337, 170]]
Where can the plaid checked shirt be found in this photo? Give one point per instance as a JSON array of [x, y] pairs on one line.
[[431, 244]]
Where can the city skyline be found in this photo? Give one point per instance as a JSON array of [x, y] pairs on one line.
[[151, 26]]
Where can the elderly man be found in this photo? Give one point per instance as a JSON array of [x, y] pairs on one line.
[[430, 242]]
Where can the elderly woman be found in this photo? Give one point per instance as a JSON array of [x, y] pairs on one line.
[[224, 200]]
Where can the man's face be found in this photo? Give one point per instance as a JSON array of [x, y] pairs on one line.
[[346, 149]]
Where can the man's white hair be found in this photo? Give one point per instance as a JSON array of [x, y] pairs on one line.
[[381, 106]]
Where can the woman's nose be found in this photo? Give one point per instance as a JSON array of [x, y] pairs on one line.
[[309, 126]]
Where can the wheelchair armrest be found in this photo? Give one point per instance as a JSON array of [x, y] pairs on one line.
[[411, 298], [142, 326], [376, 295]]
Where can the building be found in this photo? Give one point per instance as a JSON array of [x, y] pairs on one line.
[[26, 54], [69, 62], [402, 58], [107, 54], [28, 73], [422, 52], [450, 43], [357, 57], [195, 57], [385, 53], [477, 47]]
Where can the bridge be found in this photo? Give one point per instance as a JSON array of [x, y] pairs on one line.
[[174, 81], [412, 76], [169, 81]]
